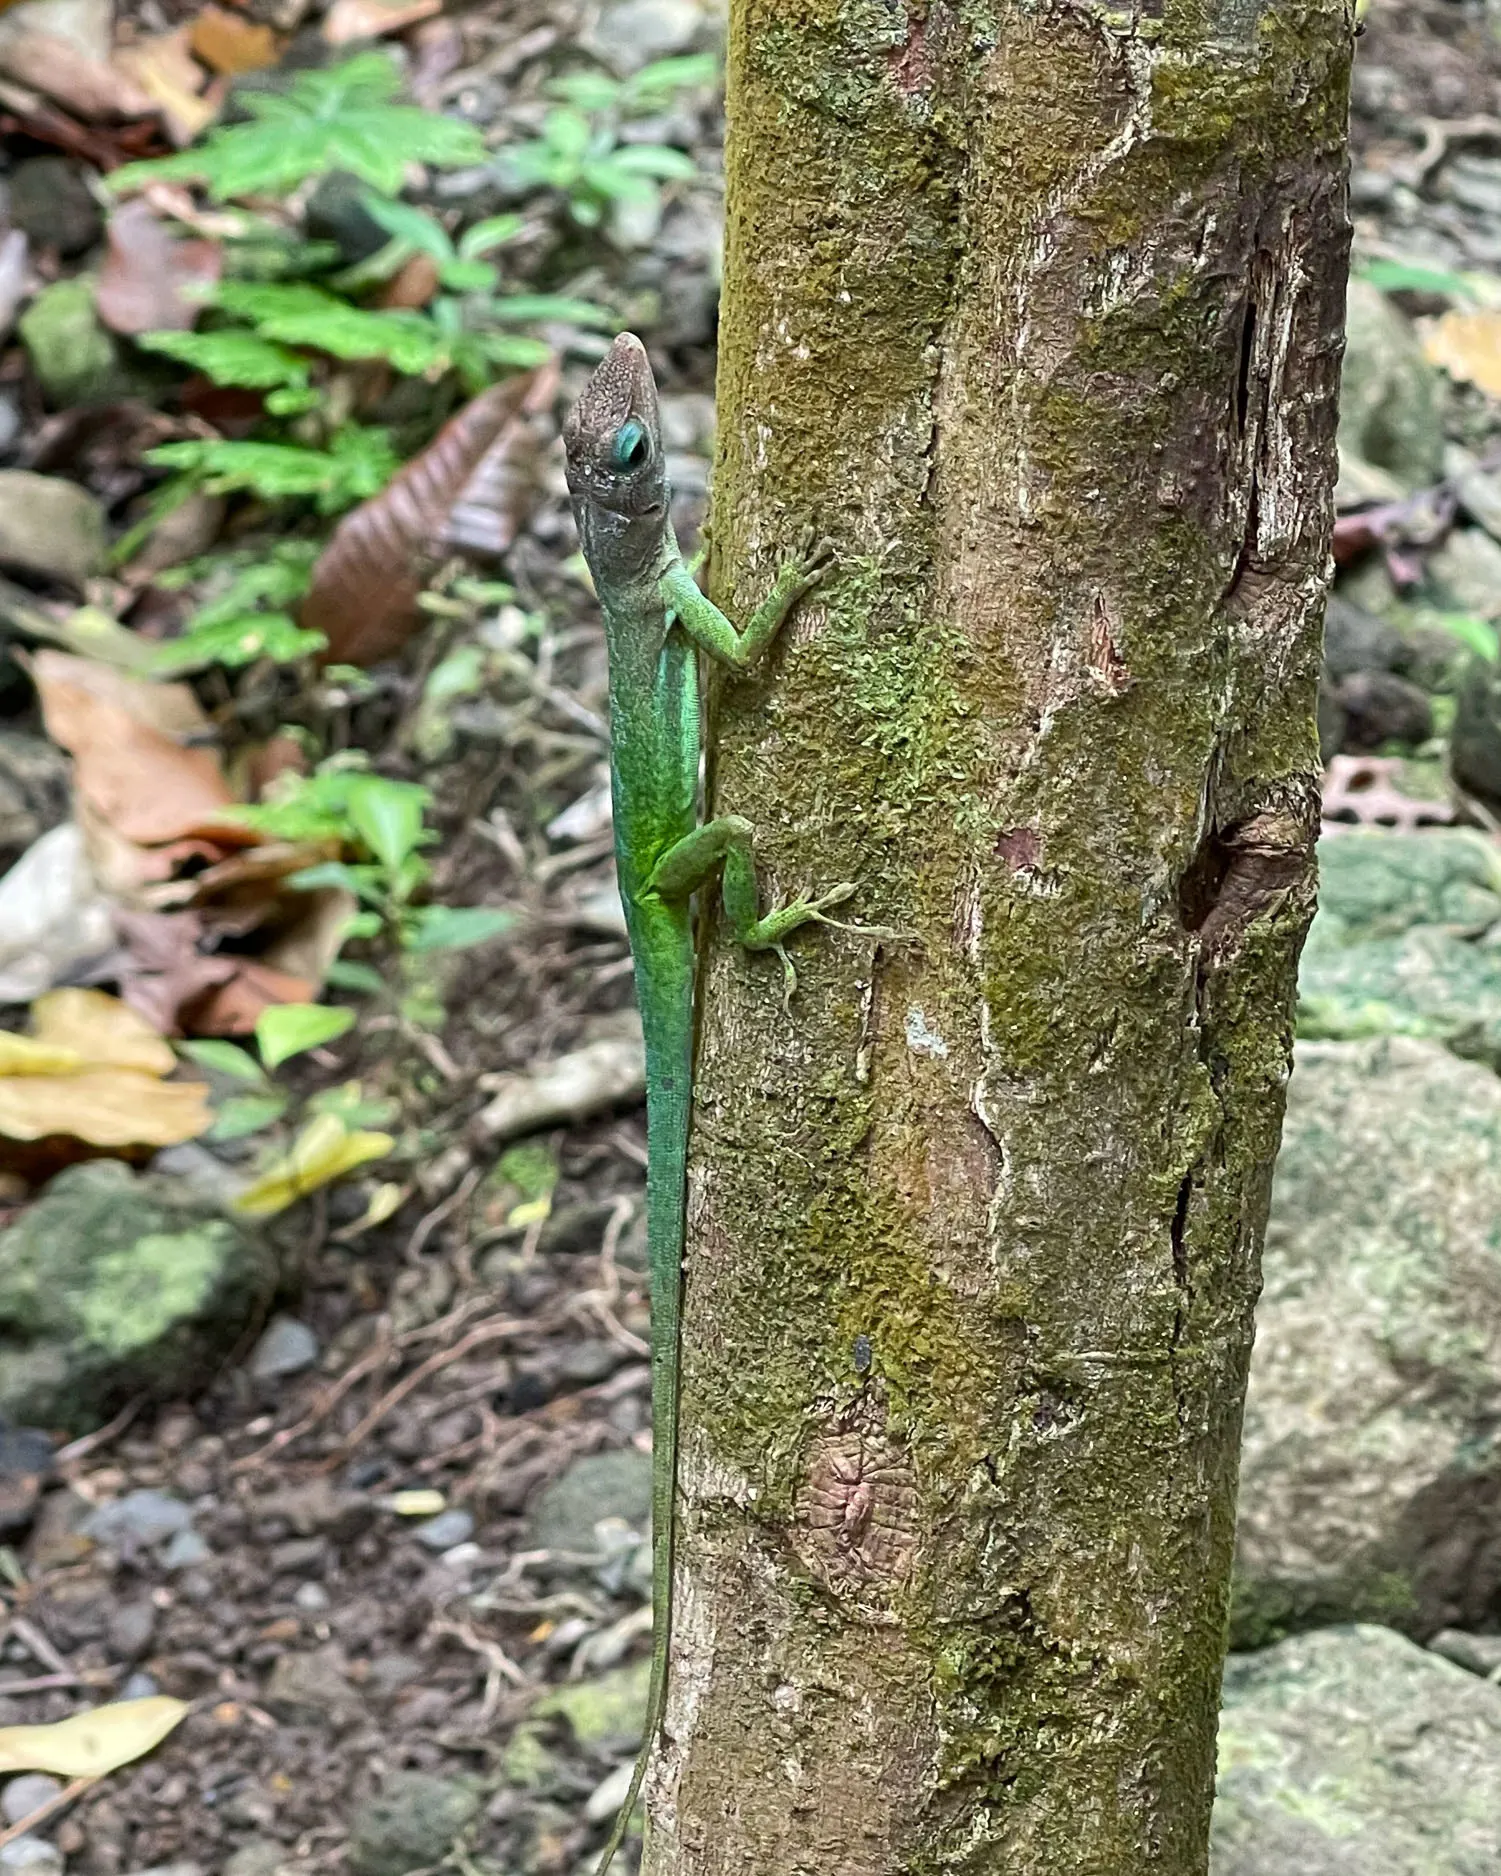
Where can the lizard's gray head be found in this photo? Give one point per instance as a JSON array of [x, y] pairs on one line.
[[616, 474]]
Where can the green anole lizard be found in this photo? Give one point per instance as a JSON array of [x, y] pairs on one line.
[[656, 623]]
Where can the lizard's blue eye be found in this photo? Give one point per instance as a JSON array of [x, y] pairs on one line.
[[629, 450]]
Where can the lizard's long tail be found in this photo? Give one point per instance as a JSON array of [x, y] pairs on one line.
[[669, 1064]]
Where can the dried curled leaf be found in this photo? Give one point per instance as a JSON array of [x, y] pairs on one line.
[[87, 1745], [363, 596]]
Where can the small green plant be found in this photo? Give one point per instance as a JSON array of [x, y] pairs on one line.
[[1477, 635], [343, 803], [243, 615], [581, 155], [344, 118]]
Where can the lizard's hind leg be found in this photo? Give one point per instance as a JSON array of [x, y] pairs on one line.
[[729, 844]]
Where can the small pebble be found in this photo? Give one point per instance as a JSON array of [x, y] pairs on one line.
[[26, 1794], [140, 1517], [140, 1686], [311, 1598], [31, 1855], [607, 1797], [287, 1347], [447, 1529], [185, 1550]]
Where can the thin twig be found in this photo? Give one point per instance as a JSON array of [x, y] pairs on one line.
[[32, 1638], [500, 1329], [373, 1359], [429, 1222], [91, 1442]]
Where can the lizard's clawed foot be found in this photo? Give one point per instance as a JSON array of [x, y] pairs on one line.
[[812, 562]]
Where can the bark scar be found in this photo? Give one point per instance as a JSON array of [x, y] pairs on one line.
[[1241, 872], [856, 1525]]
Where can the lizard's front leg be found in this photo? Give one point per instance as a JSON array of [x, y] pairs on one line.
[[728, 844], [716, 635]]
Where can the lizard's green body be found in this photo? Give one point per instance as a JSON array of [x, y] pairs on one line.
[[656, 623]]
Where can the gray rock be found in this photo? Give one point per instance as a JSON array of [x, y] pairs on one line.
[[311, 1598], [35, 790], [32, 1856], [113, 1285], [1352, 1753], [287, 1347], [26, 1794], [601, 1486], [179, 1869], [1475, 739], [314, 1685], [131, 1627], [50, 527], [410, 1824], [1467, 572], [140, 1686], [1380, 708], [1357, 640], [1391, 398], [1370, 1470], [1476, 1654], [139, 1520], [186, 1550], [448, 1528], [53, 205], [610, 1710], [74, 358], [631, 33], [258, 1859]]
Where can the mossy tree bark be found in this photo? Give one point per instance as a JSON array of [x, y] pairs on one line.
[[1035, 309]]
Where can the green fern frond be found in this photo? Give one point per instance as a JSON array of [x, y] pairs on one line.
[[299, 314], [338, 119], [238, 358], [358, 464], [235, 641]]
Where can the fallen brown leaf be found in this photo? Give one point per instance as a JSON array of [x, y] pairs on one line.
[[164, 68], [233, 1008], [60, 70], [151, 281], [1468, 347], [25, 113], [411, 287], [349, 20], [131, 771], [228, 42], [365, 585]]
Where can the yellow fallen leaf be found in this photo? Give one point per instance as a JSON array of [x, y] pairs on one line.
[[1468, 347], [89, 1744], [22, 1055], [101, 1030], [325, 1150], [113, 1107]]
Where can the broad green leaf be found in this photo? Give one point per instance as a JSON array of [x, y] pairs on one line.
[[456, 927], [654, 159], [358, 880], [236, 641], [487, 235], [664, 76], [567, 133], [387, 816], [287, 1029], [346, 974], [245, 1114], [519, 307], [592, 92], [225, 1058]]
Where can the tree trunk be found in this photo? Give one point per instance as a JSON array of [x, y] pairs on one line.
[[1034, 309]]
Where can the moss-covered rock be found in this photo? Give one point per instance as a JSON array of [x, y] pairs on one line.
[[1391, 398], [609, 1710], [1371, 1473], [114, 1285], [1353, 1753], [1407, 941]]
